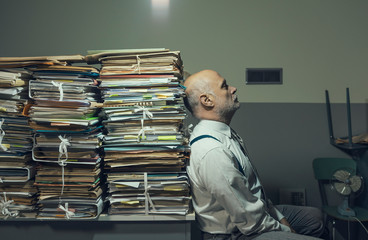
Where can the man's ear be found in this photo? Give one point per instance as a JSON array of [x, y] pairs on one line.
[[207, 100]]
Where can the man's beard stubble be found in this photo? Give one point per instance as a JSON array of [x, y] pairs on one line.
[[227, 112]]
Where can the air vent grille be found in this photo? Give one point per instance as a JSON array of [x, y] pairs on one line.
[[263, 76]]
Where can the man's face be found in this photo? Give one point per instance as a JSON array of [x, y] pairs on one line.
[[226, 100]]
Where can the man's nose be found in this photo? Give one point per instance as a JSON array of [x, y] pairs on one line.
[[233, 89]]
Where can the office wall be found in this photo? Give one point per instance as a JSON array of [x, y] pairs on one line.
[[319, 44], [283, 139]]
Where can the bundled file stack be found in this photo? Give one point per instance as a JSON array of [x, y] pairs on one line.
[[66, 146], [145, 151], [17, 193]]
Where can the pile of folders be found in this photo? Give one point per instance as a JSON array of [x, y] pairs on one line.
[[18, 195], [79, 139]]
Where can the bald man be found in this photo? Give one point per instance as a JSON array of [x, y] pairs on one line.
[[228, 197]]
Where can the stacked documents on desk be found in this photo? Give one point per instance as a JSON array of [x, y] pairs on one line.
[[137, 61], [158, 193], [145, 179], [66, 144], [82, 146], [16, 167], [16, 134], [64, 98], [25, 62], [146, 158], [145, 151], [18, 199], [82, 195], [17, 193]]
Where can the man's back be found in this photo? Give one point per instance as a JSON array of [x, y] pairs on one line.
[[223, 198]]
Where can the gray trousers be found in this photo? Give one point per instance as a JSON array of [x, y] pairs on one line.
[[306, 221]]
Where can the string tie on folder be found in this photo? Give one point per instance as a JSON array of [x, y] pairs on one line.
[[68, 213], [138, 65], [63, 150], [147, 198], [61, 91], [146, 113], [142, 132], [4, 206], [2, 134]]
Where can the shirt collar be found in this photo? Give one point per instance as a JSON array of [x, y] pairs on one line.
[[216, 126]]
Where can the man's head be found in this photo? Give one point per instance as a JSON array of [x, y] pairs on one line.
[[209, 97]]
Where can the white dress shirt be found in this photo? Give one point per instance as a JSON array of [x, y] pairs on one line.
[[223, 197]]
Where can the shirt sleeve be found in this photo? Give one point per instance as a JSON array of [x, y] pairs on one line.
[[274, 212], [230, 187]]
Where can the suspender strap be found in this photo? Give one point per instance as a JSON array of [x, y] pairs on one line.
[[209, 136], [201, 137]]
